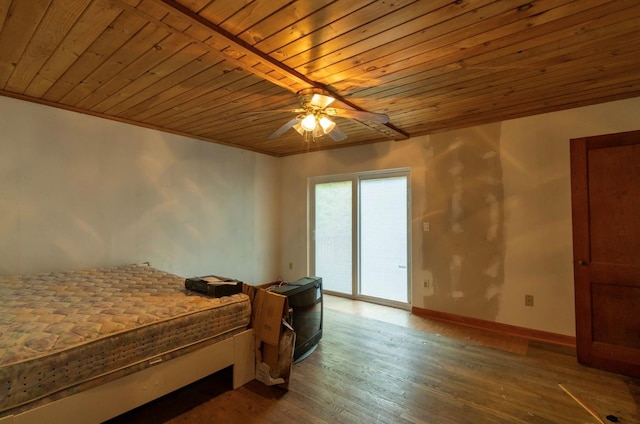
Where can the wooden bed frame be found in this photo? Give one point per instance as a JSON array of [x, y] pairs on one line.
[[111, 399]]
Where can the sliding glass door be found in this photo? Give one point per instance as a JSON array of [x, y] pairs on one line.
[[360, 235], [383, 238], [334, 235]]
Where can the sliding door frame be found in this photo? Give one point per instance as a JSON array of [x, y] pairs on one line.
[[355, 179]]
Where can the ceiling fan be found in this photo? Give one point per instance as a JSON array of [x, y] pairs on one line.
[[313, 118]]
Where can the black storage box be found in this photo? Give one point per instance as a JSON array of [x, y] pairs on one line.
[[214, 286]]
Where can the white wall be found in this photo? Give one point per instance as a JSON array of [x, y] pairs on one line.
[[539, 253], [79, 191], [498, 201]]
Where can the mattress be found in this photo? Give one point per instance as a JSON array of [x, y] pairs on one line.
[[65, 331]]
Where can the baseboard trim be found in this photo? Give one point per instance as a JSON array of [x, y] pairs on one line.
[[508, 329]]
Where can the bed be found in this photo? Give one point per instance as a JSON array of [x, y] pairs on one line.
[[88, 345]]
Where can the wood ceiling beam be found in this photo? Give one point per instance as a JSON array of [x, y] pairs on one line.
[[243, 54], [247, 57]]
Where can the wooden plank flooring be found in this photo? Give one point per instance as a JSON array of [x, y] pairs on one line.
[[383, 365]]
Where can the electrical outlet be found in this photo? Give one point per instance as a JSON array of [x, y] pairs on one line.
[[427, 284], [528, 300]]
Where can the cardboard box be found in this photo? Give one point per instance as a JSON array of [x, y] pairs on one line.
[[274, 363], [275, 338], [270, 308]]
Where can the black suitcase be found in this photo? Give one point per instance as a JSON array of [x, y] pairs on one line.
[[214, 286]]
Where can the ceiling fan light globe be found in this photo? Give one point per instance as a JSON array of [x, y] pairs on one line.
[[309, 123], [327, 124], [298, 127]]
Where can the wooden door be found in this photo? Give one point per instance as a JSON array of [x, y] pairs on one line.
[[605, 184]]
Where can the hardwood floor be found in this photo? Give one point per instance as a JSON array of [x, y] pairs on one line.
[[404, 318], [384, 365]]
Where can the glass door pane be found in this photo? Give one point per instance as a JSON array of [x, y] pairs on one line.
[[383, 238], [334, 235]]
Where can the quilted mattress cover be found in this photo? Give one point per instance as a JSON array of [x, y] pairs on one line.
[[65, 331]]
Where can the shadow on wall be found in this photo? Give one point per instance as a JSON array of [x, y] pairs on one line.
[[464, 250]]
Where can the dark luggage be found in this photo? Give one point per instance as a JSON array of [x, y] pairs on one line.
[[214, 286]]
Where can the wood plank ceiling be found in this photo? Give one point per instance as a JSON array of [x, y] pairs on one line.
[[205, 68]]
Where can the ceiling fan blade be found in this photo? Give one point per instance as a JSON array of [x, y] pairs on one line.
[[284, 128], [380, 118], [337, 134]]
